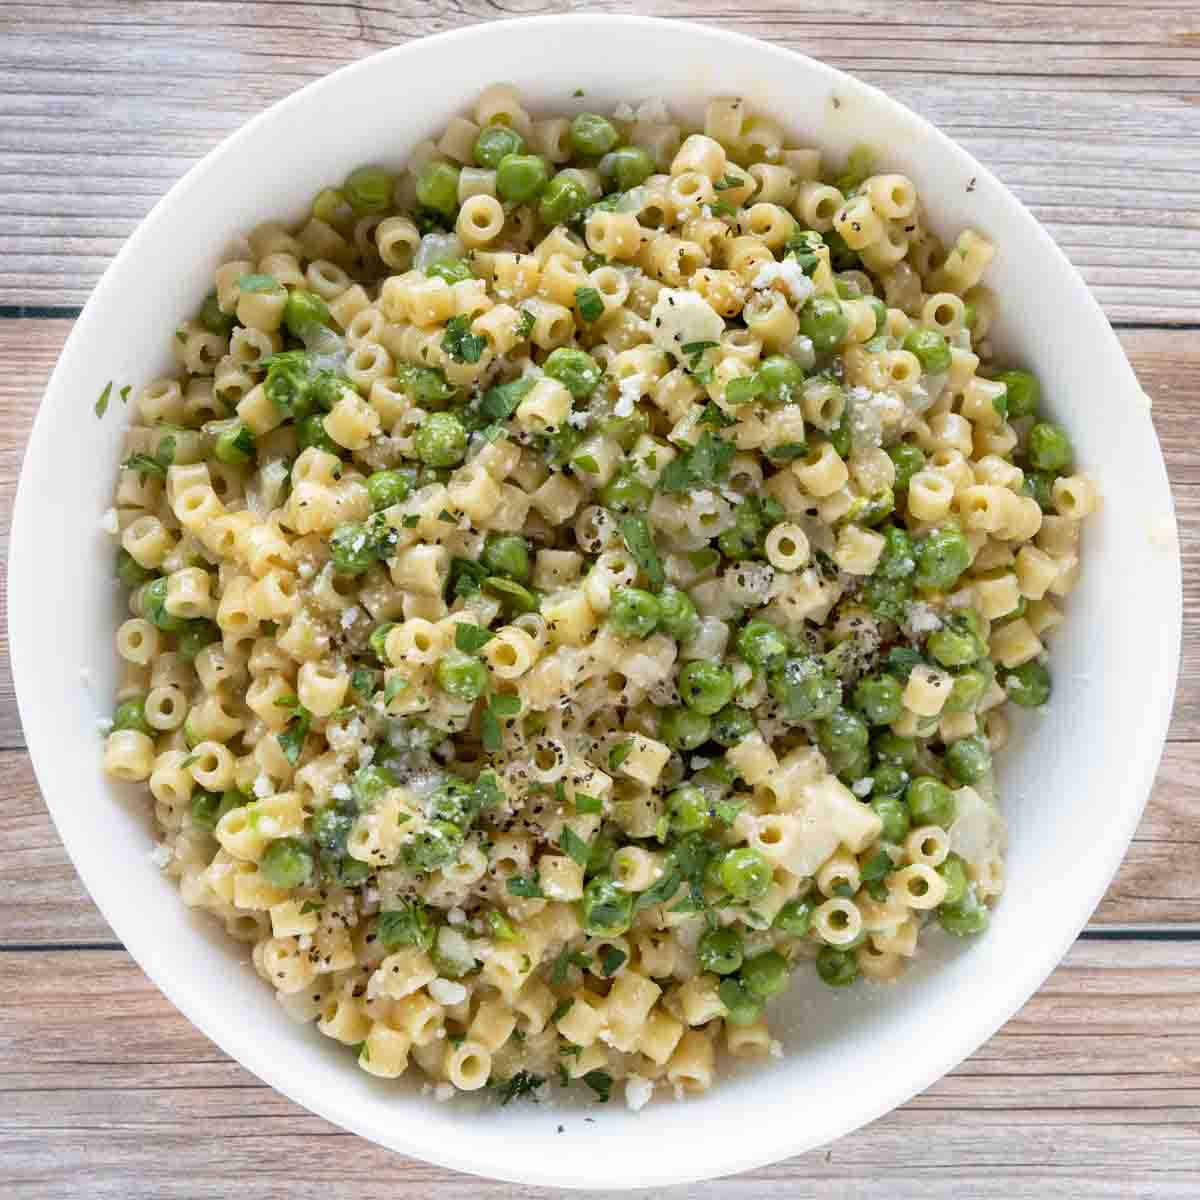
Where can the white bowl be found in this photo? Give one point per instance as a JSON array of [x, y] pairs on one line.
[[1073, 789]]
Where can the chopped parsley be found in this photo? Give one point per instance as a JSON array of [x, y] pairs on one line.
[[460, 343], [601, 1083], [291, 740], [565, 960], [528, 887], [588, 804], [611, 960], [262, 284], [101, 406], [408, 925], [561, 1009], [500, 402], [466, 577], [574, 846], [698, 466], [471, 638], [640, 542], [526, 324], [713, 416], [617, 755], [393, 687], [728, 181], [523, 1083], [145, 464]]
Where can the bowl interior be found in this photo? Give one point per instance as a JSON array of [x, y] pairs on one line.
[[1073, 784]]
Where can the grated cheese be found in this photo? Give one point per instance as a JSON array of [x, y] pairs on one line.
[[789, 273]]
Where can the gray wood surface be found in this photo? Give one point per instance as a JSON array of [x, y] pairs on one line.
[[1089, 111]]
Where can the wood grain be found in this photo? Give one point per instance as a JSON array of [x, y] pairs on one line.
[[1087, 110], [1092, 1090]]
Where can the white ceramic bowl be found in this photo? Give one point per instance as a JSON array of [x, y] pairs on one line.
[[1073, 787]]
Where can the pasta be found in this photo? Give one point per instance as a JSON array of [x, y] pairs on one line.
[[564, 601]]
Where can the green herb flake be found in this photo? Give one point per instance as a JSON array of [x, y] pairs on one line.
[[101, 406], [408, 925], [585, 462], [504, 705], [491, 734], [574, 846], [310, 906], [618, 754], [561, 1009], [589, 303], [291, 740], [526, 324], [523, 1083], [124, 393], [601, 1083], [145, 464], [728, 181], [258, 284], [588, 804], [460, 343], [611, 960], [471, 638], [528, 887], [699, 466], [714, 417], [361, 1051], [640, 543], [565, 960], [395, 685]]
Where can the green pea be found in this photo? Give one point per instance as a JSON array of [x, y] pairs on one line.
[[634, 613], [575, 369], [352, 548], [888, 781], [850, 765], [968, 689], [324, 390], [720, 951], [521, 177], [687, 810], [931, 349], [806, 689], [893, 812], [507, 554], [677, 614], [941, 558], [745, 537], [824, 323], [894, 750], [838, 968], [213, 319], [496, 142], [745, 874], [310, 431], [437, 188], [1049, 448], [385, 488], [368, 190], [235, 445], [452, 270], [592, 135], [706, 686], [794, 918], [607, 910], [1027, 685], [741, 1007], [766, 974], [908, 459], [841, 257], [626, 493], [930, 801], [303, 311], [441, 440], [969, 759], [461, 676], [877, 697], [131, 714], [1022, 391], [331, 206], [683, 728], [1039, 485], [208, 808], [427, 387], [130, 572], [195, 635], [628, 167], [437, 845], [966, 918], [287, 863], [564, 199], [731, 725], [953, 648], [762, 645], [782, 379], [154, 606], [953, 871], [879, 309], [842, 732]]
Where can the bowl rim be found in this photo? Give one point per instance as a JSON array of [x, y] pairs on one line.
[[459, 1156]]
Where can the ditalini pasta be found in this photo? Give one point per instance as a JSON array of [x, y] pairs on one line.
[[574, 584]]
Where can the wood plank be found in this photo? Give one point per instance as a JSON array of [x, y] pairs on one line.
[[1070, 1099], [89, 137], [43, 902]]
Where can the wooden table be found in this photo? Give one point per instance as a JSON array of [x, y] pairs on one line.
[[1089, 111]]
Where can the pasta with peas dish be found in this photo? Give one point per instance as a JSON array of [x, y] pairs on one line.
[[576, 583]]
